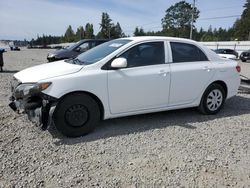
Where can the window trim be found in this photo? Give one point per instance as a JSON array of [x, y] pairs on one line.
[[167, 51], [182, 42], [146, 42], [107, 66]]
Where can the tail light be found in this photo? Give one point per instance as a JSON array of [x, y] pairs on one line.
[[238, 68]]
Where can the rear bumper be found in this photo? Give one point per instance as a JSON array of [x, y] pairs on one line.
[[233, 84]]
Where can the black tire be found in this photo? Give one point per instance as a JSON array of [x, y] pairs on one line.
[[243, 60], [76, 115], [210, 105]]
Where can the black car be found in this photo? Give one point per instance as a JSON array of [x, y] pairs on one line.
[[227, 51], [244, 56], [74, 50]]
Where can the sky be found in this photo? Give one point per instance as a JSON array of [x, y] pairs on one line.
[[25, 19]]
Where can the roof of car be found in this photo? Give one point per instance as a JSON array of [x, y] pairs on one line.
[[94, 40], [212, 55], [142, 38], [225, 49]]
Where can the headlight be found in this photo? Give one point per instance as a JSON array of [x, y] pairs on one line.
[[51, 55], [31, 89], [14, 83]]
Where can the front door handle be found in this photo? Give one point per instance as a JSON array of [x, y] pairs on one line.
[[163, 73], [207, 68]]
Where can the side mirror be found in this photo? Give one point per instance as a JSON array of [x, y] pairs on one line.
[[78, 49], [119, 63]]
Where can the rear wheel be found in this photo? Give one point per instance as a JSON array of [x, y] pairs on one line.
[[76, 115], [212, 100]]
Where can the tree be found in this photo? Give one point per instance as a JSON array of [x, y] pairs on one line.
[[69, 34], [44, 42], [139, 32], [89, 31], [242, 25], [116, 31], [177, 20], [209, 35], [79, 33], [105, 26]]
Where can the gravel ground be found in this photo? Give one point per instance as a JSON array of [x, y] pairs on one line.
[[169, 149]]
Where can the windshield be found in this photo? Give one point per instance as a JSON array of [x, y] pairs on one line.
[[95, 54]]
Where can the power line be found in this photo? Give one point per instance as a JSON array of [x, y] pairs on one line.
[[220, 17], [222, 8]]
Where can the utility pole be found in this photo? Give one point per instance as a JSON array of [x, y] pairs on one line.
[[192, 20]]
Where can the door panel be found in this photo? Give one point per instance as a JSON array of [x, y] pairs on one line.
[[188, 80], [190, 73], [138, 88]]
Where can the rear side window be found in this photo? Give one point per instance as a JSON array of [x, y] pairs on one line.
[[183, 52], [228, 51]]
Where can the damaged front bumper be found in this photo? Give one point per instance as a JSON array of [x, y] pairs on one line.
[[38, 106]]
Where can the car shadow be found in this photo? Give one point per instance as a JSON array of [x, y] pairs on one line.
[[235, 106]]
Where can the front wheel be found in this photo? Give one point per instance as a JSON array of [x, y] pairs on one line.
[[212, 100], [76, 115]]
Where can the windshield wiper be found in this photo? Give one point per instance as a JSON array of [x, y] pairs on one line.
[[77, 61], [74, 61]]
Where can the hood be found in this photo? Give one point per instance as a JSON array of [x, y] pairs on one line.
[[46, 71], [61, 53]]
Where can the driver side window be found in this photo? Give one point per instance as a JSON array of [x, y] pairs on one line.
[[151, 53], [84, 47]]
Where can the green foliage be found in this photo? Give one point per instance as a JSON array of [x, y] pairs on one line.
[[242, 25], [116, 31], [45, 40], [89, 31], [69, 34], [105, 26], [109, 30], [80, 33], [139, 32], [177, 20]]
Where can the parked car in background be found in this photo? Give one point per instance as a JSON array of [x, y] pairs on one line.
[[123, 77], [227, 53], [244, 56], [74, 50], [13, 47]]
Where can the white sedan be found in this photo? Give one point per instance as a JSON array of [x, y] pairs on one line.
[[227, 53], [124, 77], [228, 56]]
